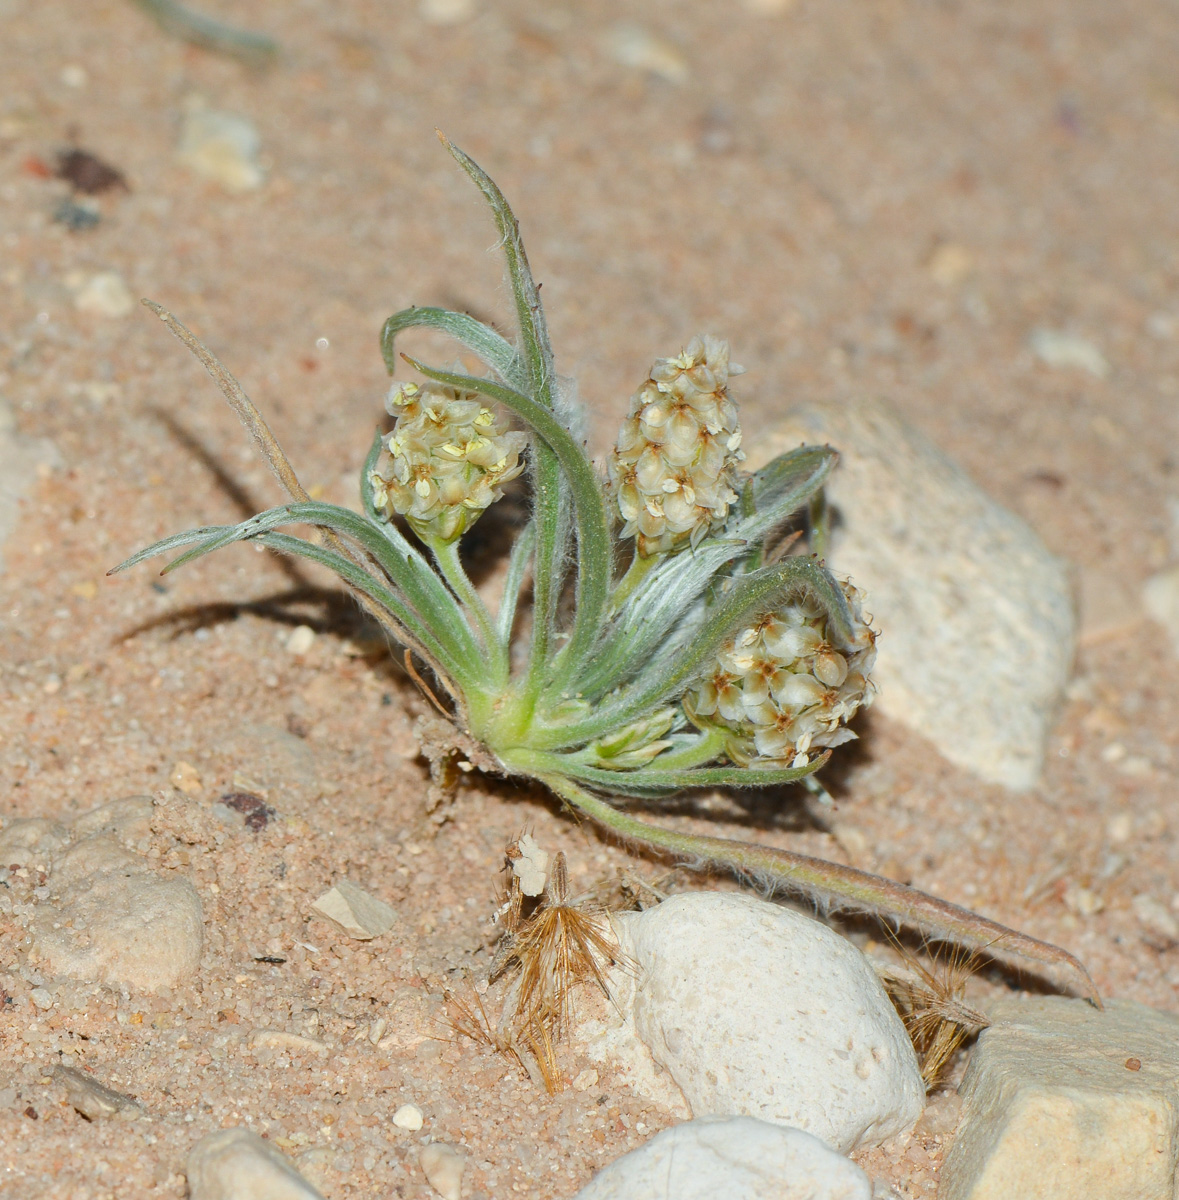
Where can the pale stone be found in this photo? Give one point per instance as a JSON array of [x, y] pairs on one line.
[[735, 1158], [531, 866], [356, 912], [222, 147], [1058, 348], [633, 46], [31, 842], [301, 639], [1160, 597], [106, 294], [976, 616], [94, 1100], [127, 819], [184, 777], [21, 458], [1063, 1102], [235, 1164], [446, 12], [280, 1039], [110, 919], [408, 1116], [443, 1167], [758, 1010]]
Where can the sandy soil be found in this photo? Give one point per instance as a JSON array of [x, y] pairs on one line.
[[790, 179]]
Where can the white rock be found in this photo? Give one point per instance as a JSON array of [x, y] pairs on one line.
[[20, 459], [735, 1158], [111, 919], [408, 1116], [31, 842], [530, 866], [633, 46], [235, 1164], [443, 1167], [301, 639], [221, 146], [1160, 597], [757, 1010], [1063, 1102], [1055, 348], [976, 615], [105, 294], [356, 912], [127, 819]]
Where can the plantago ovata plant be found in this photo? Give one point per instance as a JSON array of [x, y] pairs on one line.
[[694, 652]]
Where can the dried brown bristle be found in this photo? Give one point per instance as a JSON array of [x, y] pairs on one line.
[[929, 1001], [555, 949]]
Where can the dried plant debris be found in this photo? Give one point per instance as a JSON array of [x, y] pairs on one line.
[[86, 172], [551, 946], [930, 1002]]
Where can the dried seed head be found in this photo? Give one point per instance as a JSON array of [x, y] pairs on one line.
[[673, 472], [781, 689], [445, 461]]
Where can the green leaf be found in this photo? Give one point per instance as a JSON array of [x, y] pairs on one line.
[[653, 781], [480, 339], [165, 545], [534, 336], [522, 550], [668, 593], [594, 556], [667, 676]]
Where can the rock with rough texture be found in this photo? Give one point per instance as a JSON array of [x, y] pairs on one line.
[[31, 842], [1063, 1102], [443, 1168], [757, 1010], [235, 1164], [20, 457], [738, 1158], [356, 912], [111, 919], [976, 616]]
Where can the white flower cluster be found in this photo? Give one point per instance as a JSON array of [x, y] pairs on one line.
[[781, 689], [445, 461], [673, 470]]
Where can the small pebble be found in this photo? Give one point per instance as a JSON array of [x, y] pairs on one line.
[[1160, 598], [88, 173], [356, 912], [408, 1116], [730, 1158], [184, 777], [301, 640], [105, 294], [443, 1168], [222, 147], [950, 264], [93, 1100], [1055, 348], [76, 217], [632, 46], [235, 1164], [1156, 918], [446, 12]]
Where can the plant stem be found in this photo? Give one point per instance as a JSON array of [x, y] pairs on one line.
[[446, 555], [818, 878]]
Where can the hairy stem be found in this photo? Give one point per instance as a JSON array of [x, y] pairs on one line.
[[818, 878], [446, 555]]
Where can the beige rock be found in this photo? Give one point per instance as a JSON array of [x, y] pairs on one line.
[[443, 1167], [110, 919], [184, 777], [355, 911], [976, 615], [235, 1164], [1062, 1102]]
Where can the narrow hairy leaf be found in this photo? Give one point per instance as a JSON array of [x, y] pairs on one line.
[[480, 339]]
